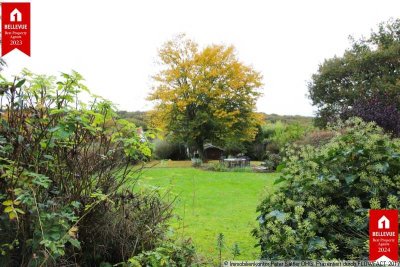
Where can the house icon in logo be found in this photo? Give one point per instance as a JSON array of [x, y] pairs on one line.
[[383, 223], [15, 16]]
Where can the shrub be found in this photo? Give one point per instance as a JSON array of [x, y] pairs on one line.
[[220, 167], [272, 148], [282, 134], [126, 226], [321, 209], [316, 138], [196, 162], [217, 167], [62, 166], [272, 161], [167, 254], [167, 150], [382, 108]]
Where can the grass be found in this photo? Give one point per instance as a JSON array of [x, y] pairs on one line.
[[209, 203]]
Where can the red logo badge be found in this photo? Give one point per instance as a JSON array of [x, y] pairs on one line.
[[16, 27], [383, 235]]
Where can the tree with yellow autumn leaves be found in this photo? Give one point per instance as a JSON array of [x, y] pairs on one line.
[[205, 95]]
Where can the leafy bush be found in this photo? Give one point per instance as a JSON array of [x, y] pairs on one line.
[[63, 162], [164, 149], [382, 108], [196, 162], [272, 161], [123, 227], [272, 148], [220, 167], [168, 254], [282, 134], [217, 167], [321, 209], [316, 138]]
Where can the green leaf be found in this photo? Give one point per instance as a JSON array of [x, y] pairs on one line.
[[20, 83], [48, 157], [19, 211], [280, 167], [350, 178], [75, 243], [279, 180], [381, 167], [279, 215], [316, 243], [40, 179], [332, 178]]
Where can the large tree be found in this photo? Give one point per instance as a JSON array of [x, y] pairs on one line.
[[205, 95], [370, 67]]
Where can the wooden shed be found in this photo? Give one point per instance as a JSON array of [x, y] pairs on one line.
[[212, 152]]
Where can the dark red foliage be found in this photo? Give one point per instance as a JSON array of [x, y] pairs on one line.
[[382, 108]]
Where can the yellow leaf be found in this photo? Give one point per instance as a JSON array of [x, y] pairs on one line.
[[8, 202], [72, 232], [8, 209], [12, 215]]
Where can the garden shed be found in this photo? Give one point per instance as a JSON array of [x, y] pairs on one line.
[[212, 152]]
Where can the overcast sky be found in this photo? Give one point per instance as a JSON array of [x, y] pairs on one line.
[[113, 44]]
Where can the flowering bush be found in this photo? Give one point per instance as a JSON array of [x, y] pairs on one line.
[[321, 209]]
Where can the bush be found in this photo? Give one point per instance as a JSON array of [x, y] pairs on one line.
[[167, 254], [220, 167], [167, 150], [321, 209], [62, 166], [316, 138], [217, 167], [382, 108], [272, 161], [128, 225], [196, 162]]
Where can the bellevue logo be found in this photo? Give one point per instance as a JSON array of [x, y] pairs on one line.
[[15, 15], [383, 223], [16, 27], [383, 235]]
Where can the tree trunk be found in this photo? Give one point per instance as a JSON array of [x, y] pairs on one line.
[[200, 149]]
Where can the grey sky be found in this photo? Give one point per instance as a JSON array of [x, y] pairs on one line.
[[113, 44]]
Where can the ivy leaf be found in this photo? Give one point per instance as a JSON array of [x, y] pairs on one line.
[[316, 243], [75, 243], [381, 167], [280, 167], [279, 180], [350, 178], [279, 215]]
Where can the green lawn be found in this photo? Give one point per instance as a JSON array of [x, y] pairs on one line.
[[210, 203]]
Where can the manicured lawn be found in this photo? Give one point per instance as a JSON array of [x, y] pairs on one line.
[[210, 203]]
